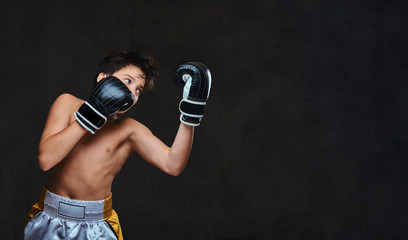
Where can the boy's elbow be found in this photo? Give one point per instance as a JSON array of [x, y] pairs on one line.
[[175, 172], [174, 166], [43, 163]]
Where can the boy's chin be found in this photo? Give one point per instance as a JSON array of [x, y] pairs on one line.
[[122, 112]]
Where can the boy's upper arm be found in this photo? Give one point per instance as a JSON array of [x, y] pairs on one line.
[[58, 117], [148, 146]]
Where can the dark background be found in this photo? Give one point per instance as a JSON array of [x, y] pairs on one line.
[[304, 135]]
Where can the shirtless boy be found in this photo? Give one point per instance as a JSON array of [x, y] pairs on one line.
[[84, 144]]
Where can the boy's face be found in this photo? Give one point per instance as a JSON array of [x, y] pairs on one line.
[[132, 77]]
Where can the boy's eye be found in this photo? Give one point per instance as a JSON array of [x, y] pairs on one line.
[[127, 80], [138, 91]]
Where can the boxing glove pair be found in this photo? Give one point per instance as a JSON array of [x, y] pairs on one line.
[[111, 95]]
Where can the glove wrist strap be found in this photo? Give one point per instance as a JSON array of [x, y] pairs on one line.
[[90, 118], [190, 121]]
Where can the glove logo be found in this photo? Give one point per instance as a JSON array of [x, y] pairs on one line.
[[186, 77]]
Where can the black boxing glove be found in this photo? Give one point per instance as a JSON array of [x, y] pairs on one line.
[[196, 79], [109, 96]]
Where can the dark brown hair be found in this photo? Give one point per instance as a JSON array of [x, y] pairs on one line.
[[117, 60]]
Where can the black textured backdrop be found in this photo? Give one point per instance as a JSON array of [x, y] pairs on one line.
[[304, 135]]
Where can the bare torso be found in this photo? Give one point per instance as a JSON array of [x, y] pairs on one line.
[[82, 165], [87, 172]]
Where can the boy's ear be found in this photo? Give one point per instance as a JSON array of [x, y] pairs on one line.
[[101, 76]]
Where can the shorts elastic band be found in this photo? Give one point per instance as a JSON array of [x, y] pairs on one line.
[[62, 207]]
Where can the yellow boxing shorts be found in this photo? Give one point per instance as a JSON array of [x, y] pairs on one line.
[[57, 217]]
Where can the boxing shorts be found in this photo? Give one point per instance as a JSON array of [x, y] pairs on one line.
[[57, 217]]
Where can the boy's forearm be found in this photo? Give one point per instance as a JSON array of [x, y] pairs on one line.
[[56, 147], [180, 150]]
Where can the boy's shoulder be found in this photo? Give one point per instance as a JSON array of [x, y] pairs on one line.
[[67, 97], [67, 100], [64, 106]]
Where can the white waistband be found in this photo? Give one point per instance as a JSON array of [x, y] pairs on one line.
[[62, 207]]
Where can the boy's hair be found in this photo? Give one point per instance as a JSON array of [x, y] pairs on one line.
[[117, 60]]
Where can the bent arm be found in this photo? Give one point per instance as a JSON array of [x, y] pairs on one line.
[[171, 160], [181, 148], [59, 135]]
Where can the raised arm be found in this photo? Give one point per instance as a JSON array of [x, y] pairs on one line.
[[59, 135], [171, 160], [196, 79]]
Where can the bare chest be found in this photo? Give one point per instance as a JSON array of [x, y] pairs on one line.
[[98, 155], [111, 141]]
